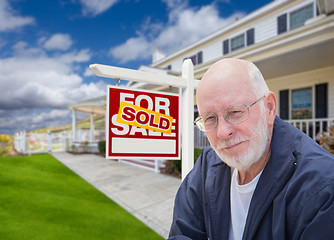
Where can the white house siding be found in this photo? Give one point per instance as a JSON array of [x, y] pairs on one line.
[[306, 79], [213, 50], [265, 28]]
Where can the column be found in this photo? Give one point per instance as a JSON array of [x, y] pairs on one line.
[[74, 126], [91, 133]]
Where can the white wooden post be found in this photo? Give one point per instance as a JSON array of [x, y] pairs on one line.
[[156, 166], [63, 140], [91, 132], [187, 119], [74, 127], [49, 140], [24, 142]]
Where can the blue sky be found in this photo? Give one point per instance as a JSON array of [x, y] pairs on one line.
[[47, 46]]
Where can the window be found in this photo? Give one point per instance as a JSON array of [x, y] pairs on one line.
[[197, 58], [296, 18], [250, 36], [301, 103], [321, 99], [226, 46], [300, 16], [193, 59], [284, 104], [238, 42], [200, 57], [282, 24]]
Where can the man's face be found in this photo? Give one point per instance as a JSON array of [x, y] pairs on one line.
[[238, 145], [243, 148]]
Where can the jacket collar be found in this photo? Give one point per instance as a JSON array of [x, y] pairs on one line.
[[274, 176]]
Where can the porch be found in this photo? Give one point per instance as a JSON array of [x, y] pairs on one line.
[[311, 127]]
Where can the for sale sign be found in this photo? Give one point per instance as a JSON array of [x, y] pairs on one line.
[[142, 124]]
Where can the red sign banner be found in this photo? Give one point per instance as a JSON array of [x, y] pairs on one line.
[[142, 124]]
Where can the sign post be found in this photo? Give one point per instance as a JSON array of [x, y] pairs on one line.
[[186, 82]]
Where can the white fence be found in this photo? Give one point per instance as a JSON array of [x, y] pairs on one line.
[[313, 127], [42, 142], [26, 142]]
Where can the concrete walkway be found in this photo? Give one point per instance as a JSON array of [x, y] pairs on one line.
[[147, 195]]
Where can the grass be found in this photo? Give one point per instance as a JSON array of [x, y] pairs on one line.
[[42, 199]]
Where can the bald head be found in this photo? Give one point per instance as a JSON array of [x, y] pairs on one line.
[[231, 72]]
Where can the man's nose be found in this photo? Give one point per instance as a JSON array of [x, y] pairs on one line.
[[225, 129]]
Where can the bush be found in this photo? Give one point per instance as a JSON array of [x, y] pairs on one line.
[[197, 153], [4, 138], [173, 167], [102, 146], [327, 139]]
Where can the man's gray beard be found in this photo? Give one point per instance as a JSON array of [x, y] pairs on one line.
[[255, 151]]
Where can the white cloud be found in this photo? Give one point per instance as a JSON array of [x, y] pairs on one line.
[[96, 7], [52, 116], [57, 41], [35, 89], [9, 21], [31, 79], [185, 25], [133, 48], [20, 120], [88, 72]]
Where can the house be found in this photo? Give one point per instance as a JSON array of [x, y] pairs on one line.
[[292, 43]]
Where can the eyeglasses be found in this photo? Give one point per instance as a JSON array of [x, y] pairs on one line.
[[234, 115]]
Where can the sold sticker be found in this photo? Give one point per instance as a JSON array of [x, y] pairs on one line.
[[144, 118]]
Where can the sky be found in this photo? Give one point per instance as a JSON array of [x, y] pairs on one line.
[[46, 48]]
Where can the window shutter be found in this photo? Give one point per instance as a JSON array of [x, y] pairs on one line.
[[200, 57], [282, 24], [321, 100], [226, 47], [284, 104], [250, 36]]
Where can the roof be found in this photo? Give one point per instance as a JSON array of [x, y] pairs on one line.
[[93, 106]]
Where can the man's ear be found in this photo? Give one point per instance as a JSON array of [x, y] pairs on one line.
[[271, 107]]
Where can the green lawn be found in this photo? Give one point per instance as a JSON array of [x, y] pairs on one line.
[[40, 198]]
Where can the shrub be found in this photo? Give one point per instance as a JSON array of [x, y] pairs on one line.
[[327, 139], [197, 153], [173, 167], [102, 146], [4, 138]]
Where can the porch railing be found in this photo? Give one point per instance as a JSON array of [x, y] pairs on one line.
[[83, 135], [311, 127], [200, 139]]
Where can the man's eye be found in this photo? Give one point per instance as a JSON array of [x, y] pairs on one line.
[[210, 119], [235, 113]]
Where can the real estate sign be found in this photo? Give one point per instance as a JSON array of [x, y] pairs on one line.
[[142, 124]]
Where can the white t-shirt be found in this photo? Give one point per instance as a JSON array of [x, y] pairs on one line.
[[241, 196]]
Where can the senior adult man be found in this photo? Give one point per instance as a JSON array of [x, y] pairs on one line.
[[261, 178]]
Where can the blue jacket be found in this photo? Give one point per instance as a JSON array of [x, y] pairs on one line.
[[294, 198]]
